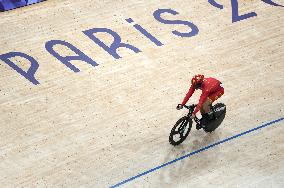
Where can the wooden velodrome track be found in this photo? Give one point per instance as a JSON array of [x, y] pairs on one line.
[[109, 123]]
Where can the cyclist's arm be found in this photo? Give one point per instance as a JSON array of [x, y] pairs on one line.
[[202, 99], [188, 95]]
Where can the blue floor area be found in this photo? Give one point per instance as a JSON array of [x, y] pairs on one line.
[[6, 5]]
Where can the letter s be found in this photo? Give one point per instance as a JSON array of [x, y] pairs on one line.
[[194, 30]]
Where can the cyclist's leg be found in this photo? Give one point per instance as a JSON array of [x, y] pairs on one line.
[[206, 107], [204, 110], [216, 95]]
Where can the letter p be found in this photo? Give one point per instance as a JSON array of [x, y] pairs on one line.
[[30, 73]]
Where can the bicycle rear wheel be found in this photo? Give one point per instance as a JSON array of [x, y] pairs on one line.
[[180, 130], [220, 112]]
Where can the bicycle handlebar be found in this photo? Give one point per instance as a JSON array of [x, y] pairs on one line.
[[191, 106]]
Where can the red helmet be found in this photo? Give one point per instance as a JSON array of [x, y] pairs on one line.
[[197, 80]]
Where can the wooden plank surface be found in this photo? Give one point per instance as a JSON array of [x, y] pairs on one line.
[[110, 122]]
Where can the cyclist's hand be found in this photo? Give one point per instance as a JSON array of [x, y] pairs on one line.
[[179, 106]]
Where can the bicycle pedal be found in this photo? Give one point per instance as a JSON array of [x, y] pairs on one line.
[[198, 126]]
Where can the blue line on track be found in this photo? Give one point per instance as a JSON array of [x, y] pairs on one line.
[[197, 151], [215, 4]]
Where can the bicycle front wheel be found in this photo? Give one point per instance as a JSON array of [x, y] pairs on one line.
[[180, 130]]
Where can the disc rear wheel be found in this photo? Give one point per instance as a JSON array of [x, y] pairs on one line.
[[220, 112]]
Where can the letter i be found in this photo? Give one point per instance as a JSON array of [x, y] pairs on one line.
[[145, 33]]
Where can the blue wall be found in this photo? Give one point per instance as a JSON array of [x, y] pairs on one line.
[[12, 4]]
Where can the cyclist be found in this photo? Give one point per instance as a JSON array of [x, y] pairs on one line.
[[211, 91]]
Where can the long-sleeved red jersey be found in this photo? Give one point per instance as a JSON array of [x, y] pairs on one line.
[[208, 87]]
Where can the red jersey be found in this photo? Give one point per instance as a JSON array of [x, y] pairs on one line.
[[208, 87]]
